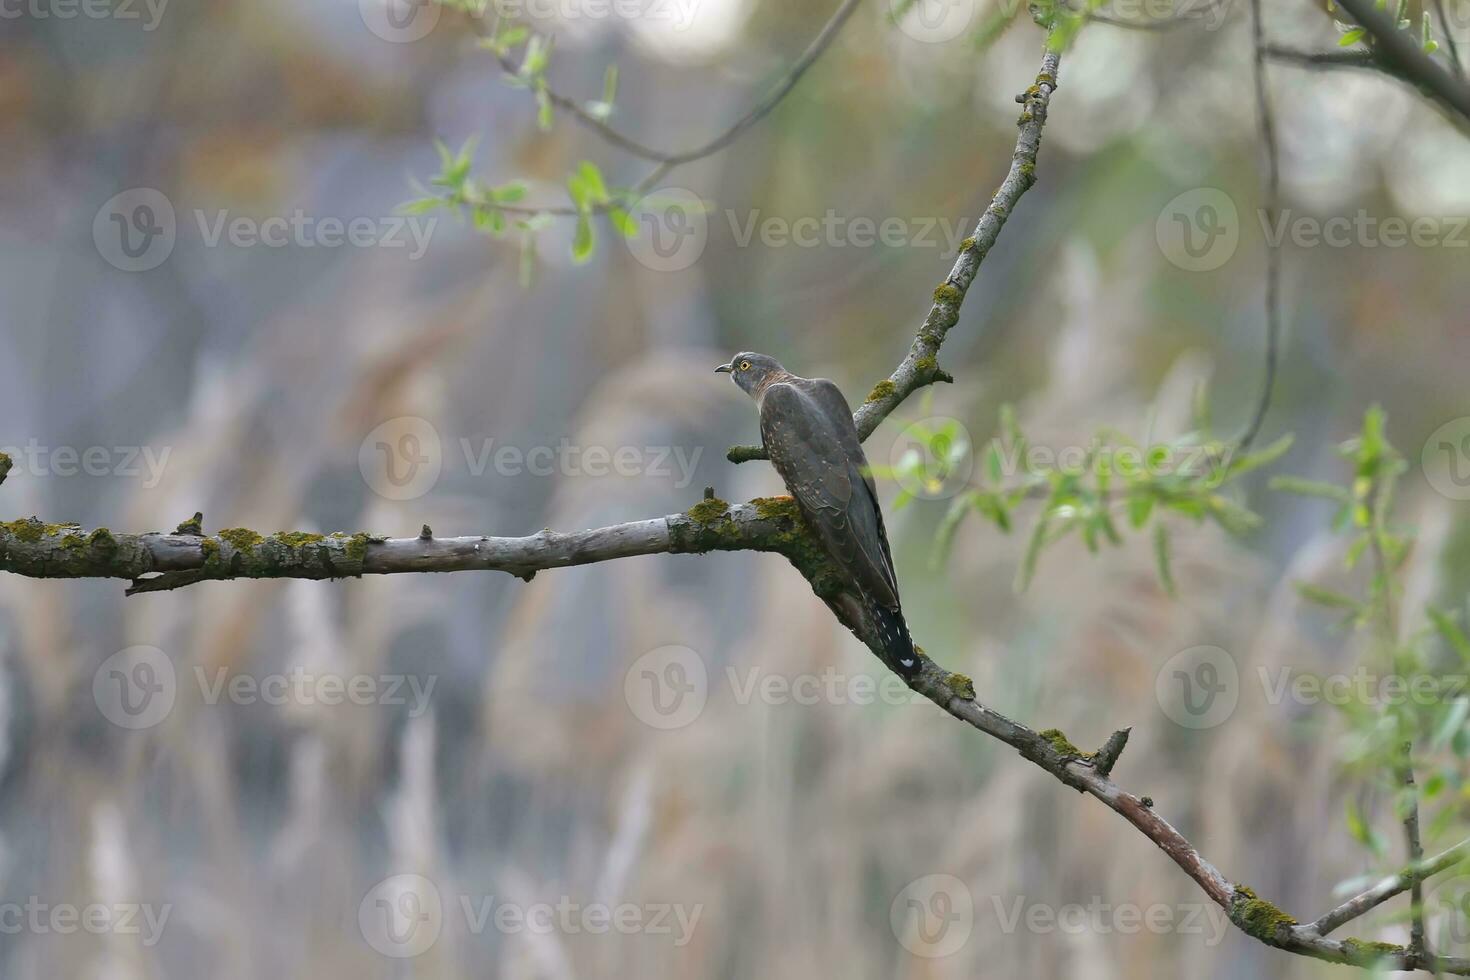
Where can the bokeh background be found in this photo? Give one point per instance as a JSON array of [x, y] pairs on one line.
[[261, 382]]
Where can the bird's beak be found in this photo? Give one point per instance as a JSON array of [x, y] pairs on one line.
[[723, 369]]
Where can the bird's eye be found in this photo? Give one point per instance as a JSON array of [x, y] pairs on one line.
[[745, 365]]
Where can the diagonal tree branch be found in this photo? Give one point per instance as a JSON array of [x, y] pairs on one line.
[[1390, 887], [921, 366], [1401, 53]]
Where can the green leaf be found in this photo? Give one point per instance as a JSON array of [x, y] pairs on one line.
[[512, 35], [610, 85], [1453, 721], [1328, 598], [544, 115], [1140, 506], [508, 193], [1351, 37], [528, 259], [623, 222], [1361, 832], [1162, 558], [1310, 488], [422, 205], [589, 177], [1265, 456], [1446, 626], [1037, 541], [582, 240]]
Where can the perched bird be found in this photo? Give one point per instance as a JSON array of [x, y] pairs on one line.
[[808, 432]]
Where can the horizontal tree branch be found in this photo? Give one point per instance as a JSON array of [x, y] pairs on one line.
[[157, 561]]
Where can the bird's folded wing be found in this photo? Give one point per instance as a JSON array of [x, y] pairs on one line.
[[810, 437]]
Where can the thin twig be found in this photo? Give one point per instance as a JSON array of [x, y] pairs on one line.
[[1449, 37], [1401, 50], [666, 160], [1417, 947], [1267, 128], [1390, 887]]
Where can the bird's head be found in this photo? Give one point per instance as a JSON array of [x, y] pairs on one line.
[[750, 370]]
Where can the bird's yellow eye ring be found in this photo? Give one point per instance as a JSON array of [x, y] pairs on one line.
[[745, 365]]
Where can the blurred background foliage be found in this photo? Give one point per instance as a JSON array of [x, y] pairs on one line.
[[261, 371]]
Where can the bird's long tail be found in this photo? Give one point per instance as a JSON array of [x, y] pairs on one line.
[[893, 634]]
